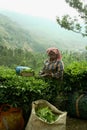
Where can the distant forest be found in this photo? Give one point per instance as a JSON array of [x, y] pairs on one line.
[[18, 57]]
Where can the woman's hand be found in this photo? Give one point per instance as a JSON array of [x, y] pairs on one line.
[[46, 75]]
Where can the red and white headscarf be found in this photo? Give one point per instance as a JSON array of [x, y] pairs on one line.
[[56, 51]]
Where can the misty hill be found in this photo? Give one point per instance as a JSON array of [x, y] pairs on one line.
[[42, 33], [12, 35]]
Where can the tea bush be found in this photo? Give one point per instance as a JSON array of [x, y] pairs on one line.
[[20, 91]]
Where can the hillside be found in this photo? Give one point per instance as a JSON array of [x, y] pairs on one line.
[[12, 35], [42, 33]]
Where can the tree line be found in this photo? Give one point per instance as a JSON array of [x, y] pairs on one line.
[[18, 57]]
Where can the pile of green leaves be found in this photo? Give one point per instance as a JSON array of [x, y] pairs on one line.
[[46, 114], [28, 70]]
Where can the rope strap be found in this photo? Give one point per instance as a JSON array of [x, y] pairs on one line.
[[77, 105]]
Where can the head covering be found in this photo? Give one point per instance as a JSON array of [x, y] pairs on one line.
[[56, 51]]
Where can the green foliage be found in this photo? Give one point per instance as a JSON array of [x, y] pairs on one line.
[[75, 77], [27, 72], [46, 114], [18, 57], [69, 57], [20, 91], [74, 24], [11, 34], [20, 85]]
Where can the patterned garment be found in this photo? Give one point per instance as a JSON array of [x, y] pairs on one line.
[[54, 67]]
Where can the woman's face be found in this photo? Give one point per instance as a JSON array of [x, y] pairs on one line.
[[52, 55]]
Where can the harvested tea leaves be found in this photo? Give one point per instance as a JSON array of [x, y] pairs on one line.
[[30, 70], [46, 114]]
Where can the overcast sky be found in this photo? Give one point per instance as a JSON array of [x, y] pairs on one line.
[[43, 8]]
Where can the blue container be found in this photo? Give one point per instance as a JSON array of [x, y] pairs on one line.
[[19, 68]]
